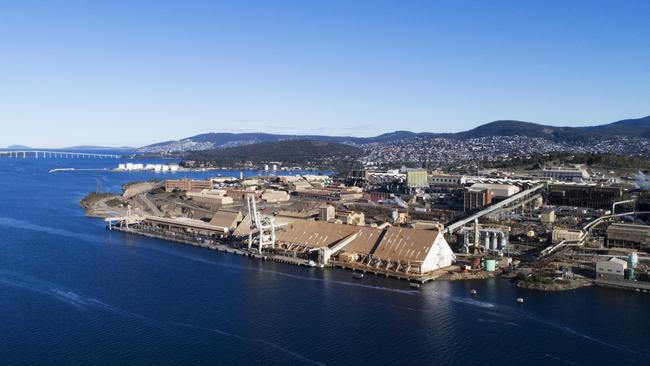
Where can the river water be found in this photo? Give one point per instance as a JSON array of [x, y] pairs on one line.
[[72, 292]]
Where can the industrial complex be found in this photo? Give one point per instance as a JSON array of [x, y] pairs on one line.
[[557, 229]]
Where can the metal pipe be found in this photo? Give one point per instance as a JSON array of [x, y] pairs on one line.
[[620, 203]]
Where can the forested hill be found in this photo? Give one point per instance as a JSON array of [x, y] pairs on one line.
[[286, 151]]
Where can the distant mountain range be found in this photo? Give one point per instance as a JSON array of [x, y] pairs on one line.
[[92, 147], [639, 127], [18, 147]]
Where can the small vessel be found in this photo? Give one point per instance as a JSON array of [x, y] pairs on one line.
[[520, 300], [414, 285], [357, 275], [311, 264], [472, 292], [61, 170]]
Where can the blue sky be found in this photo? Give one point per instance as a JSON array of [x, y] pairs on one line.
[[139, 72]]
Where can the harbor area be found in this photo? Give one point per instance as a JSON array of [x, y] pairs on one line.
[[320, 221]]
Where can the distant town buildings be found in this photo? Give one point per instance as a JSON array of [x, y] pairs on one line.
[[151, 167]]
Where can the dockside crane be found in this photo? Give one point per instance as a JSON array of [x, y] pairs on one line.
[[263, 224]]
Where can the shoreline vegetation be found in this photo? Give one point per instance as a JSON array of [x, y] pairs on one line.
[[548, 284]]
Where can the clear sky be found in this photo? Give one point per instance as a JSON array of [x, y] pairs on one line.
[[139, 72]]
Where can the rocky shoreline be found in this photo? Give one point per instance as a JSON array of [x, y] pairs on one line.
[[560, 285]]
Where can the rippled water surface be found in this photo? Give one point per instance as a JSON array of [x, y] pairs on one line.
[[73, 293]]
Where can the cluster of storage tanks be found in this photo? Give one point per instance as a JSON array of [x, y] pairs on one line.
[[490, 239], [274, 167], [151, 167]]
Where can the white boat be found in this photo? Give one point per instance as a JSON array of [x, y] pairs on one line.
[[357, 275], [472, 292], [414, 285], [520, 300]]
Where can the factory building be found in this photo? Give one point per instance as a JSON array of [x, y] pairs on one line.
[[547, 217], [358, 175], [210, 197], [275, 196], [187, 185], [329, 214], [583, 195], [417, 178], [329, 194], [182, 226], [566, 174], [350, 217], [476, 198], [326, 213], [422, 250], [565, 234], [227, 218], [375, 196], [397, 249], [628, 236], [239, 193], [444, 182], [612, 269], [499, 191], [447, 180]]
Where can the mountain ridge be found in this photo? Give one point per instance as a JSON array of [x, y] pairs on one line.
[[287, 151], [637, 127]]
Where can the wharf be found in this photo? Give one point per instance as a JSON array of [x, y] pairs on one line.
[[388, 273], [216, 246], [625, 285], [285, 259]]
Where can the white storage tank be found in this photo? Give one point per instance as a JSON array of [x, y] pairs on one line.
[[633, 260]]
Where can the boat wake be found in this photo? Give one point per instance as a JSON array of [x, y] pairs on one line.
[[82, 303]]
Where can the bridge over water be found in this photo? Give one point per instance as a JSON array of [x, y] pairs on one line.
[[36, 154]]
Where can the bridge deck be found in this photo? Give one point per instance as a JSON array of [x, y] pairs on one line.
[[54, 154]]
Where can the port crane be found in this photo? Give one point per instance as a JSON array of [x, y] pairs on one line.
[[263, 224]]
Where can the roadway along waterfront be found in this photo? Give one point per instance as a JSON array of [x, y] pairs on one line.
[[72, 292]]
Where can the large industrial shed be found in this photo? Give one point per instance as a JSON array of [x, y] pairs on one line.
[[425, 250], [394, 248]]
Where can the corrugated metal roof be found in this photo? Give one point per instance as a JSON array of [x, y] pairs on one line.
[[318, 234], [226, 218], [405, 244]]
